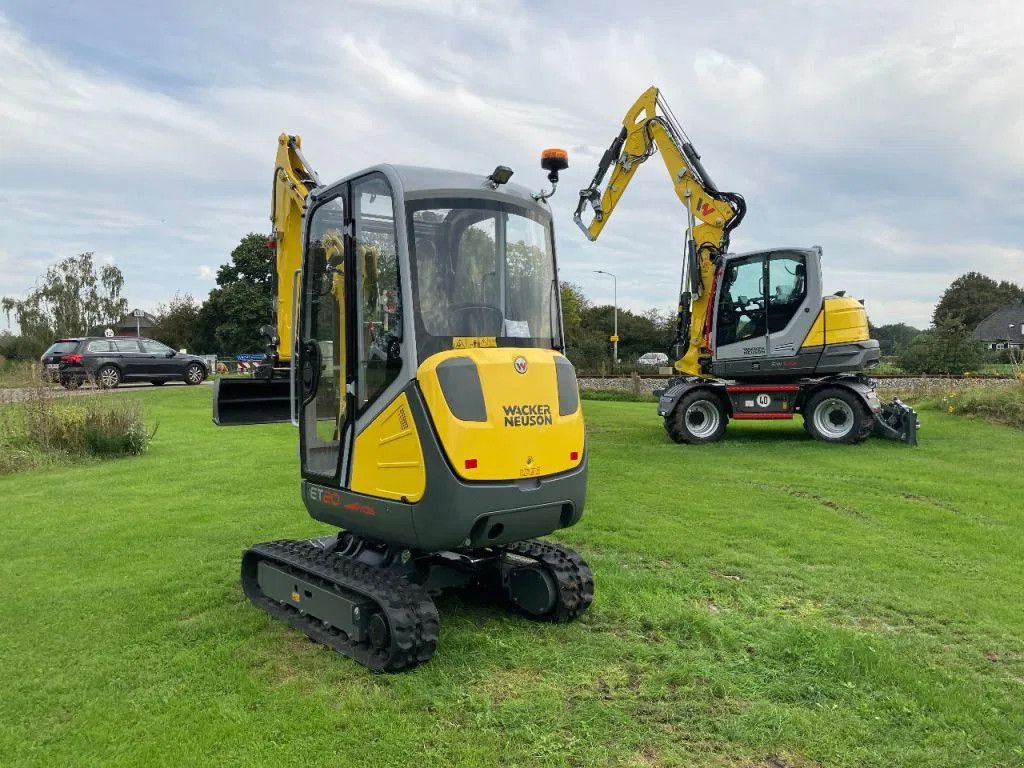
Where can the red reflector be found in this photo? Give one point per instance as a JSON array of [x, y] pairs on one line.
[[470, 463], [72, 358], [271, 244], [574, 455]]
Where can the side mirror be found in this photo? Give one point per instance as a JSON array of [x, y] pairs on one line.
[[171, 353]]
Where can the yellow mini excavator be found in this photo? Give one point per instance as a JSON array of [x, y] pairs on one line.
[[755, 336], [417, 348]]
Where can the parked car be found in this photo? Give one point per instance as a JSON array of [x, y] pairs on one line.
[[111, 361], [49, 363], [653, 359]]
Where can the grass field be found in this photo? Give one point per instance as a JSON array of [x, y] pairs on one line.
[[768, 601]]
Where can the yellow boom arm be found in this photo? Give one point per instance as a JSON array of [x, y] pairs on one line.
[[711, 214], [293, 180]]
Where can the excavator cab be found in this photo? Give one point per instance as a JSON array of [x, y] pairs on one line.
[[428, 361], [439, 423], [772, 321]]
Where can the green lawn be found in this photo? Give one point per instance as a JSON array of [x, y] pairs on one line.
[[768, 601]]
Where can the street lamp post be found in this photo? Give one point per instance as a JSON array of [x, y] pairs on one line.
[[615, 306]]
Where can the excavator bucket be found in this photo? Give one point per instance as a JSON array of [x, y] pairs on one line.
[[251, 401], [897, 421]]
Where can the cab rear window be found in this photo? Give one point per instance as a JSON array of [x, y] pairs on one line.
[[61, 348]]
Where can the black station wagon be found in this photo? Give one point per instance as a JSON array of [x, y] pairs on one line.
[[110, 361]]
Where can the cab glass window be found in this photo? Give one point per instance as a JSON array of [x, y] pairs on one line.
[[126, 345], [741, 313], [379, 296], [99, 346], [787, 288], [482, 270]]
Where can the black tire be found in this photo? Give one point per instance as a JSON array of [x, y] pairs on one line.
[[699, 417], [158, 383], [108, 377], [194, 374], [837, 415]]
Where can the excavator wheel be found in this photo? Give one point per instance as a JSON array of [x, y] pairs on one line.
[[699, 417], [837, 415]]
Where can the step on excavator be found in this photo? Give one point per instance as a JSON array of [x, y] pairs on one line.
[[417, 347], [756, 338]]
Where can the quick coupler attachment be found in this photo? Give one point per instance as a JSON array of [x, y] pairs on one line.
[[897, 421]]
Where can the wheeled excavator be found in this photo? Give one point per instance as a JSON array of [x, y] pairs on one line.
[[756, 338], [417, 347]]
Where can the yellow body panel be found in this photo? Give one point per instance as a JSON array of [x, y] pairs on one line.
[[388, 459], [841, 320], [523, 436]]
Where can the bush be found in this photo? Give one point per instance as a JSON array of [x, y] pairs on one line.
[[53, 424], [18, 373], [1000, 404], [44, 427], [115, 431], [944, 349]]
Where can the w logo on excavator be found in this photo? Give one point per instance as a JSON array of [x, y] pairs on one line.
[[705, 209]]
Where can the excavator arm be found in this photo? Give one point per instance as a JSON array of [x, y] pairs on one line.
[[267, 396], [648, 127]]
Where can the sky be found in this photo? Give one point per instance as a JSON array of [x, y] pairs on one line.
[[890, 134]]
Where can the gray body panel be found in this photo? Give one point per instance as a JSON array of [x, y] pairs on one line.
[[454, 514]]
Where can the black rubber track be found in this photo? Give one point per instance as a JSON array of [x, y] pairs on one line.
[[571, 573], [411, 616]]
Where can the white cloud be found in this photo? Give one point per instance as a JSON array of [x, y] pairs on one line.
[[893, 136]]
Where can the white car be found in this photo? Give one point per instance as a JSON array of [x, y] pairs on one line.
[[653, 359]]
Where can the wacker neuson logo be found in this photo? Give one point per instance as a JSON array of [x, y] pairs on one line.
[[527, 415]]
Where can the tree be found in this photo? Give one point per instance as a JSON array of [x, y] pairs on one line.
[[74, 297], [242, 302], [18, 347], [972, 297], [946, 348], [895, 337], [177, 323], [573, 304]]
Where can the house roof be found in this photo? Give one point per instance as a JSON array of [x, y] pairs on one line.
[[996, 327], [128, 321]]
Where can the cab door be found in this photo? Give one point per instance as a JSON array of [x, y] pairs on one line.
[[793, 300], [741, 330], [324, 386]]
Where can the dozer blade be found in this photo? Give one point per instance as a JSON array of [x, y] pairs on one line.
[[251, 401], [897, 421]]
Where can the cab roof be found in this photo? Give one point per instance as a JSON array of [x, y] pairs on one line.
[[418, 181]]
